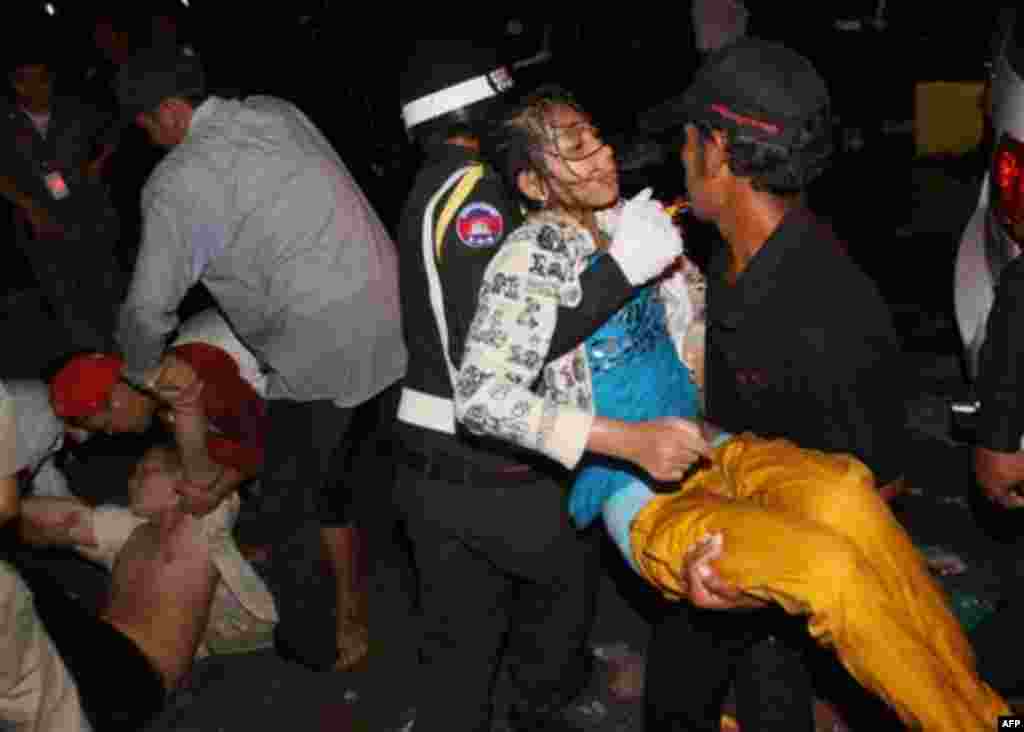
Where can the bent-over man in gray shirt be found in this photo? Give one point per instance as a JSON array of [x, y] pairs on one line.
[[252, 200]]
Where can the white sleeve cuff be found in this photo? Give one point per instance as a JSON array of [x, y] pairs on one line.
[[566, 439]]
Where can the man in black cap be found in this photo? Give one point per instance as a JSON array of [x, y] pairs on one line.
[[493, 544], [252, 200], [800, 345], [65, 223]]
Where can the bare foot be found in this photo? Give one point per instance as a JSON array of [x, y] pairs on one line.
[[626, 677], [353, 645]]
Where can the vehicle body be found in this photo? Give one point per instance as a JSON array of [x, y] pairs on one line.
[[995, 232]]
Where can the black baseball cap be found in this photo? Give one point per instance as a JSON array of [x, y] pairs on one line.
[[760, 90], [156, 74]]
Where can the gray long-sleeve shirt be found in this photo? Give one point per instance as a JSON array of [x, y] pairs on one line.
[[256, 204]]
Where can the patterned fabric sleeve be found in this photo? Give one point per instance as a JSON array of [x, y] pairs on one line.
[[536, 271]]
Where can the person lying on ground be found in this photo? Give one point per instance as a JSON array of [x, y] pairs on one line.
[[179, 588]]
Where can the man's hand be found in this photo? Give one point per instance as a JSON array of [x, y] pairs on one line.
[[666, 447], [201, 494], [1001, 475], [706, 588], [56, 522]]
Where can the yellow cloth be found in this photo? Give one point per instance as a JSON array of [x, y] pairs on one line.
[[948, 117], [808, 530]]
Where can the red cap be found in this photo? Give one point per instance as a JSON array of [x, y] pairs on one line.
[[83, 387]]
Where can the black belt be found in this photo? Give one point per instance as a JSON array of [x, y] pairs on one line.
[[451, 469]]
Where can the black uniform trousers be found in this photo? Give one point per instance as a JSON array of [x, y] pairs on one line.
[[695, 654], [506, 583], [305, 446]]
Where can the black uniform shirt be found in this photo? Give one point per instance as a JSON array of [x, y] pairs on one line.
[[1000, 381], [477, 228], [803, 347]]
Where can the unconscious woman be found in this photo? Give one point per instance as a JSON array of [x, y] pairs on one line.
[[800, 528]]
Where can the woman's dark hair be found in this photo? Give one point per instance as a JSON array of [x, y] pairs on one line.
[[515, 142], [779, 169]]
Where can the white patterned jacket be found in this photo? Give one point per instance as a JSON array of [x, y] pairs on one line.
[[498, 392]]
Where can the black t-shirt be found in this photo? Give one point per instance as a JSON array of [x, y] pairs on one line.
[[803, 347], [999, 385]]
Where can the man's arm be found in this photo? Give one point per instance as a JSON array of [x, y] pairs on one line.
[[998, 460], [65, 522], [206, 481], [8, 498], [164, 272], [8, 458], [98, 534], [1001, 475]]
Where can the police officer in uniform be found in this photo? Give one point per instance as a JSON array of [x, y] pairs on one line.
[[492, 540]]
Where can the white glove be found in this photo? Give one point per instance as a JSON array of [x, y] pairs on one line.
[[646, 241]]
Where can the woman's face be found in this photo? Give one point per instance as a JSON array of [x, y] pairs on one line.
[[581, 173]]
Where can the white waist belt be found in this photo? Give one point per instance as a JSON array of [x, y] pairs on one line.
[[427, 411]]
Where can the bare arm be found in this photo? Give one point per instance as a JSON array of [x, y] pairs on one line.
[[664, 447], [206, 483], [1001, 475], [8, 459], [66, 522], [8, 499]]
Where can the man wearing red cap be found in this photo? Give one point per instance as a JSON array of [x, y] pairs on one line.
[[217, 414]]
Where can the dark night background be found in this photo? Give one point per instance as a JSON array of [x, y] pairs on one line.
[[901, 215]]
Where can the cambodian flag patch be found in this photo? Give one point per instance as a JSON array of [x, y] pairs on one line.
[[480, 225]]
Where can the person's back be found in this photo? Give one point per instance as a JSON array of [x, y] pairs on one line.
[[302, 265]]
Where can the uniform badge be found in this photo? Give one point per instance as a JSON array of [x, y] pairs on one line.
[[480, 225], [56, 186]]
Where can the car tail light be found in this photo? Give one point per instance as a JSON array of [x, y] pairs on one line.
[[1008, 174]]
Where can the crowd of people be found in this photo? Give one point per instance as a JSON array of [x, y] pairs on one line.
[[554, 358]]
